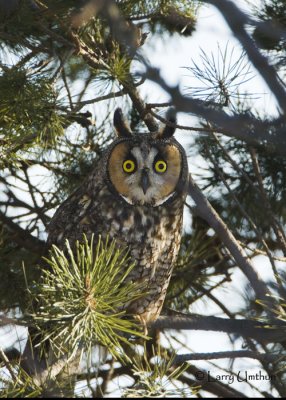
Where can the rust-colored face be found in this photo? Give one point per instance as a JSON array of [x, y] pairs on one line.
[[146, 172]]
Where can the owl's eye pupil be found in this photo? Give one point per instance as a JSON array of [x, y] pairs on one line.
[[160, 166], [128, 166]]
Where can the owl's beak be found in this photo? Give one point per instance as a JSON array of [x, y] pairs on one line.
[[145, 182]]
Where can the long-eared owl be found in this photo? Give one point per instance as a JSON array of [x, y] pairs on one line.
[[136, 196]]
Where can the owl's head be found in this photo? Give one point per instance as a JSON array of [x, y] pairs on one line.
[[146, 168]]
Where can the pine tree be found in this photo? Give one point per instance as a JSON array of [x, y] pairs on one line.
[[64, 67]]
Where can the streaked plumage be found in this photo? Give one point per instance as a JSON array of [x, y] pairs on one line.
[[135, 195]]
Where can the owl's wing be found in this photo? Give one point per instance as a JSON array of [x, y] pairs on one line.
[[71, 218], [67, 213]]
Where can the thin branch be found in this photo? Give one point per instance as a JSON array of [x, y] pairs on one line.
[[87, 54], [243, 327], [108, 96], [139, 104], [4, 321], [180, 358], [206, 292], [37, 209], [128, 85], [220, 305], [64, 77], [149, 106], [183, 127], [126, 35], [8, 365], [261, 252]]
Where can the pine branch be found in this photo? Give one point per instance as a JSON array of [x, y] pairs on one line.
[[4, 321], [183, 127], [243, 327], [92, 59], [140, 106], [126, 34], [108, 96], [7, 364], [270, 358], [79, 304]]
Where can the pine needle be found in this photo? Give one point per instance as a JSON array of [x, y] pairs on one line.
[[82, 297]]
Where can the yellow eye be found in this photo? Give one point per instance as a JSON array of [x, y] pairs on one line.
[[160, 166], [128, 166]]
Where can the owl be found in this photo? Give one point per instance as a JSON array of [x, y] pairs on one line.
[[134, 195]]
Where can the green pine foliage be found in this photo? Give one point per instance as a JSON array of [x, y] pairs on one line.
[[80, 300], [21, 386], [28, 113], [156, 375]]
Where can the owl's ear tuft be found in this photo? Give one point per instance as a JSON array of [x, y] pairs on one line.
[[120, 124], [168, 131]]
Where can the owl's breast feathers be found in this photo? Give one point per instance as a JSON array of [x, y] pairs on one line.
[[152, 235]]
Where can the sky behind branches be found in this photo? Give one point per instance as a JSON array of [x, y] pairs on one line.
[[172, 55]]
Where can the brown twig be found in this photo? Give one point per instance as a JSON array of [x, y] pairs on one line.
[[243, 327], [8, 365], [183, 127], [180, 358]]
